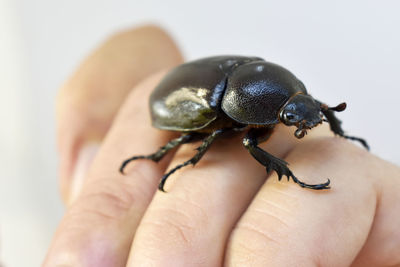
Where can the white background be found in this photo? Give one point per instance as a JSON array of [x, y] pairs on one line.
[[342, 50]]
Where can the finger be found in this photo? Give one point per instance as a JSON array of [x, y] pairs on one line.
[[89, 100], [382, 247], [98, 227], [286, 225], [189, 225]]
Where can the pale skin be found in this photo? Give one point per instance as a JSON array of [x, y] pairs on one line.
[[224, 211]]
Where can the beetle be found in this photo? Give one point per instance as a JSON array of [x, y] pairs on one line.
[[206, 98]]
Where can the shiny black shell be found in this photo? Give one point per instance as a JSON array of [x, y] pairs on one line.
[[248, 90]]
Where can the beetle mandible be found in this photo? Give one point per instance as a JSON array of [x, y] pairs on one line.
[[205, 98]]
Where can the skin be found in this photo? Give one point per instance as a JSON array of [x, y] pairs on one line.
[[222, 212]]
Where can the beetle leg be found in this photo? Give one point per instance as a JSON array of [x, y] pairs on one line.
[[200, 152], [335, 125], [157, 156], [251, 141]]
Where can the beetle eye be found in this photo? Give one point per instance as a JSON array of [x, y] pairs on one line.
[[289, 118]]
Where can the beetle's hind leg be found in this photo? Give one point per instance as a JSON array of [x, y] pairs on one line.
[[201, 150], [251, 141], [160, 153]]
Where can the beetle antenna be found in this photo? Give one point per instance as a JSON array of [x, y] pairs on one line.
[[340, 107]]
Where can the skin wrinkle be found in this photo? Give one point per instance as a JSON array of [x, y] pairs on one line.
[[151, 252], [169, 224], [117, 199], [176, 212], [187, 200], [184, 231], [70, 224], [248, 227], [280, 189], [275, 205], [268, 214], [119, 194], [103, 216], [100, 213], [244, 243], [244, 260]]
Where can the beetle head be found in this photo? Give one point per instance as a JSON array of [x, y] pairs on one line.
[[303, 112]]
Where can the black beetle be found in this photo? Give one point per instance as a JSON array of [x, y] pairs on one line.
[[208, 97]]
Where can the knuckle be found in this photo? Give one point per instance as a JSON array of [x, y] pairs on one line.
[[108, 198], [166, 231], [251, 245], [251, 239], [178, 231], [264, 236], [179, 223], [334, 148], [334, 143]]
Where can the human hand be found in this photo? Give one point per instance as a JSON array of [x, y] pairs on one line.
[[223, 211]]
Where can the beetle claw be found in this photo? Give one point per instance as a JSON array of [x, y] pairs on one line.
[[161, 185], [280, 167], [312, 186]]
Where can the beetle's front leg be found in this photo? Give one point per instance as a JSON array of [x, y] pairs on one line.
[[251, 141], [335, 124]]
